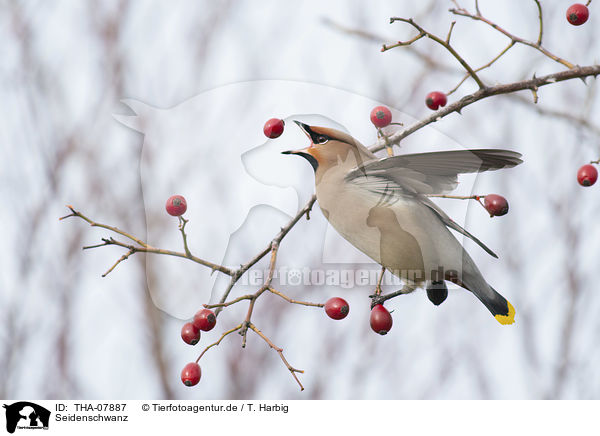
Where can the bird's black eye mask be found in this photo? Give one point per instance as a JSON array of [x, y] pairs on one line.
[[319, 138]]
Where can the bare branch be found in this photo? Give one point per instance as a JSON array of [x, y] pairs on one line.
[[457, 197], [290, 300], [489, 64], [539, 6], [386, 47], [450, 32], [576, 72], [182, 223], [74, 213], [292, 370], [121, 259], [276, 240], [229, 303], [443, 43], [478, 17], [368, 36], [142, 247], [228, 332], [379, 299], [378, 286]]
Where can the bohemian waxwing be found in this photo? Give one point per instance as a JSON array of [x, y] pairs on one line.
[[381, 207]]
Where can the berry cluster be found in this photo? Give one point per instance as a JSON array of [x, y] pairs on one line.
[[381, 319], [204, 320]]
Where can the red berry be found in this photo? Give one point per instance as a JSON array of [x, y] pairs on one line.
[[381, 320], [273, 128], [496, 205], [435, 100], [176, 205], [205, 320], [190, 375], [381, 116], [190, 333], [577, 14], [337, 308], [587, 175]]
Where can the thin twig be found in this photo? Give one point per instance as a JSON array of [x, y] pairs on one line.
[[478, 17], [74, 213], [577, 72], [386, 47], [228, 332], [182, 223], [279, 350], [229, 303], [457, 197], [291, 300], [246, 324], [378, 286], [372, 37], [379, 299], [445, 44], [460, 197], [121, 259], [277, 239], [142, 246], [539, 6], [450, 32], [489, 64]]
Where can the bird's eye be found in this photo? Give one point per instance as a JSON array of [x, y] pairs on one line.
[[321, 139]]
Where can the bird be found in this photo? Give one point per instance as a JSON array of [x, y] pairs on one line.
[[381, 206]]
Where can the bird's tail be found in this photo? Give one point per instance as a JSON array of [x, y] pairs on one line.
[[503, 311]]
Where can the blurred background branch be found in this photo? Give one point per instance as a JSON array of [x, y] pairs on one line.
[[67, 333]]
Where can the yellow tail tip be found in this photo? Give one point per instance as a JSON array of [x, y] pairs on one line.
[[509, 318]]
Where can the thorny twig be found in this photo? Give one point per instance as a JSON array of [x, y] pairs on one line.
[[235, 275], [489, 64], [279, 350], [425, 57], [377, 298], [458, 106], [141, 247], [446, 44], [275, 241], [536, 45], [477, 198]]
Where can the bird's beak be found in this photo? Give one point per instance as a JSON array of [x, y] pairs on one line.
[[305, 152], [292, 152], [306, 129]]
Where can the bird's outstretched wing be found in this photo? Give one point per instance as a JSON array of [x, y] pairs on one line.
[[390, 192], [435, 172], [415, 175]]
